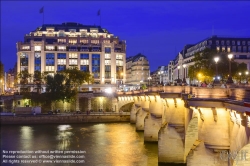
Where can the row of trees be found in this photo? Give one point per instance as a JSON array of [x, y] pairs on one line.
[[204, 67], [62, 86]]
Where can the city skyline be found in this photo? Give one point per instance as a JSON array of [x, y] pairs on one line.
[[158, 30]]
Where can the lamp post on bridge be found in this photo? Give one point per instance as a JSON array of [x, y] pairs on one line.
[[230, 80], [178, 80], [184, 70], [149, 78], [216, 80], [240, 76]]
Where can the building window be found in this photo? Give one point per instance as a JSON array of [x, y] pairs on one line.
[[84, 62], [84, 68], [243, 43], [234, 49], [50, 59], [119, 63], [210, 42], [95, 41], [50, 48], [233, 42], [61, 40], [238, 43], [50, 68], [107, 62], [38, 48], [96, 65], [119, 56], [84, 41], [107, 49], [217, 42], [248, 48], [61, 56], [73, 55], [61, 61], [61, 67], [239, 49], [24, 60], [107, 71], [72, 61], [107, 56], [244, 49], [248, 42], [218, 48], [84, 56], [228, 42], [61, 34], [61, 48], [228, 49], [222, 42], [223, 49], [25, 47], [72, 41], [37, 62]]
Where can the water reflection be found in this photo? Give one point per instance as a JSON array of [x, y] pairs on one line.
[[26, 136], [113, 144], [64, 137]]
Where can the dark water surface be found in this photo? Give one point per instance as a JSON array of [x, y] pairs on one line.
[[107, 144]]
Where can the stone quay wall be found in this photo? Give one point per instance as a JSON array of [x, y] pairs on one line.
[[63, 119]]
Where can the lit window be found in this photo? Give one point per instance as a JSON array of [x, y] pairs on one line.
[[50, 47], [218, 48], [107, 62], [73, 55], [50, 68], [61, 40], [72, 61], [84, 62], [119, 56], [119, 63], [61, 61], [61, 48], [37, 48], [72, 41], [107, 56], [223, 49], [228, 49], [26, 47]]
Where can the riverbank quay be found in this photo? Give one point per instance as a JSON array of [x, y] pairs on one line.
[[64, 119]]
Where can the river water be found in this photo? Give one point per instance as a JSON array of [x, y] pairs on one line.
[[105, 144]]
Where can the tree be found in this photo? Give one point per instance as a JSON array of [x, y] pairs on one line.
[[37, 79], [204, 68], [24, 76]]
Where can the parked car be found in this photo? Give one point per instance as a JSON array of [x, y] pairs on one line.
[[78, 112], [50, 112]]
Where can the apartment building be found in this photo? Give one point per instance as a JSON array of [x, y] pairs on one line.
[[137, 69], [55, 47]]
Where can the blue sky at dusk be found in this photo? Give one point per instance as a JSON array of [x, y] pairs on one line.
[[158, 29]]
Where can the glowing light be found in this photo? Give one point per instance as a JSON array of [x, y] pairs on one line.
[[216, 59], [108, 90], [230, 56]]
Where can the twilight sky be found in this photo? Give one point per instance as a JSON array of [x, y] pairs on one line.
[[157, 29]]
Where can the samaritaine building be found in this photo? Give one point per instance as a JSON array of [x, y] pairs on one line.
[[55, 47]]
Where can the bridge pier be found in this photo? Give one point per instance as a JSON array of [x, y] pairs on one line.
[[142, 113], [153, 121], [133, 112], [171, 144]]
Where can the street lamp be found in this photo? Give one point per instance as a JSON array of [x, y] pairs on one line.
[[240, 76], [178, 80], [247, 77], [230, 80], [184, 79], [216, 80], [149, 78]]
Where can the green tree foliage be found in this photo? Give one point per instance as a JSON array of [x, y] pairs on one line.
[[24, 76], [58, 88], [204, 68]]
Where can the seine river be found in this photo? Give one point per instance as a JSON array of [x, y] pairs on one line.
[[107, 144]]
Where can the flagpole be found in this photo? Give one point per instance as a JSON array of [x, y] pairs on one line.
[[43, 15]]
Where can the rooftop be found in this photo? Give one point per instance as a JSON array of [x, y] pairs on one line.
[[70, 25]]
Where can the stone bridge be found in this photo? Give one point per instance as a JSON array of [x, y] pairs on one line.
[[195, 126]]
